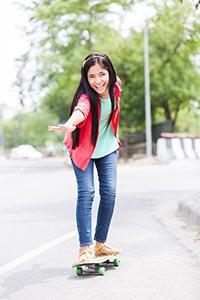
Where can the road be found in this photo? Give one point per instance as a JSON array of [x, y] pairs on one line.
[[160, 258]]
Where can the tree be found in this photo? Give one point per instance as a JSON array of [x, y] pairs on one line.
[[174, 46], [174, 74], [29, 128]]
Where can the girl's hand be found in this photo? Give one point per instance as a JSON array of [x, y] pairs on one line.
[[62, 128], [76, 118]]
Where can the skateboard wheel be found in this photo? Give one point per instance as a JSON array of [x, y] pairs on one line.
[[79, 271], [102, 271], [116, 262]]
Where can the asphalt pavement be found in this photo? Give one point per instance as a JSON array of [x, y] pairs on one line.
[[39, 244]]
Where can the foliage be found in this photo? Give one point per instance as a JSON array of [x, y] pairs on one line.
[[188, 121], [197, 3], [174, 75], [131, 71], [30, 128]]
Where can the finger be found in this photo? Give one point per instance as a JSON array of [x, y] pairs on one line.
[[61, 125], [53, 127]]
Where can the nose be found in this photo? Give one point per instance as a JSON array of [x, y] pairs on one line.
[[98, 79]]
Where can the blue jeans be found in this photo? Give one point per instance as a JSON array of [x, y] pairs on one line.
[[107, 175]]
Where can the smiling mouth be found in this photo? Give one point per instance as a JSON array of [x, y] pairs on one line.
[[100, 87]]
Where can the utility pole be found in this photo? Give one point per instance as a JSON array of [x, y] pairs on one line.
[[147, 95]]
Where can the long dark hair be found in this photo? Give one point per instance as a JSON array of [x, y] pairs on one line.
[[84, 88]]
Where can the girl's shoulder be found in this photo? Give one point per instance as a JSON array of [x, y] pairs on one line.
[[83, 98], [83, 104]]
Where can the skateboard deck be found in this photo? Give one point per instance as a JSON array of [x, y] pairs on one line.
[[97, 264]]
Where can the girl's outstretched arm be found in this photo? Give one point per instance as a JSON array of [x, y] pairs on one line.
[[76, 118]]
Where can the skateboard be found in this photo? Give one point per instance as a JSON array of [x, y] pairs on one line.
[[97, 264]]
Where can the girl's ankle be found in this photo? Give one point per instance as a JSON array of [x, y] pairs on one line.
[[84, 248], [99, 244]]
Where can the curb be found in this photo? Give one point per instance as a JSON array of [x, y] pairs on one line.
[[190, 209]]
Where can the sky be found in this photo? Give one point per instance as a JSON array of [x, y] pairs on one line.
[[12, 45]]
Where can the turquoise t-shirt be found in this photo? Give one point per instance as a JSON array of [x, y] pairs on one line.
[[107, 141]]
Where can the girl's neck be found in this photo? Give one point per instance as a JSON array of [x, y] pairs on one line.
[[104, 96]]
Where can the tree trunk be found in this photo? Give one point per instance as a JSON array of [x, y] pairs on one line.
[[167, 112]]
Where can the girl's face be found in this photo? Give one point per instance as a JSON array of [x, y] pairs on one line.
[[98, 79]]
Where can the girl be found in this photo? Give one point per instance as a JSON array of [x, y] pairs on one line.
[[92, 140]]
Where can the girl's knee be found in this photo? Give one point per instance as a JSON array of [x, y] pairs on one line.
[[86, 193]]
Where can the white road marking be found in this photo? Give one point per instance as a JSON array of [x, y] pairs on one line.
[[30, 255]]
